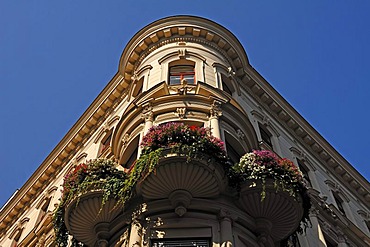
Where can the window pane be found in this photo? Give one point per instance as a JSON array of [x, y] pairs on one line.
[[181, 72], [182, 69], [266, 137], [189, 78], [175, 79]]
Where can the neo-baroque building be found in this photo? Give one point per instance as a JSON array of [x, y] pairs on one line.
[[194, 71]]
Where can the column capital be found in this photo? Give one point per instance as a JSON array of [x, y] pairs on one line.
[[147, 112], [216, 110]]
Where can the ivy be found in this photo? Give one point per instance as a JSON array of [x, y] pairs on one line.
[[103, 175]]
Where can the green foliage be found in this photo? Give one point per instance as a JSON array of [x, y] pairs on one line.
[[97, 175], [261, 165], [102, 174]]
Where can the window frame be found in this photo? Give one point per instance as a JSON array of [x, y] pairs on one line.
[[266, 136], [181, 74], [200, 242]]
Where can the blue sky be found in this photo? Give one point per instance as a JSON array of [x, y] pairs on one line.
[[56, 56]]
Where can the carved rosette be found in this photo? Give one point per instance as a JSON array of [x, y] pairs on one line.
[[88, 221], [277, 216]]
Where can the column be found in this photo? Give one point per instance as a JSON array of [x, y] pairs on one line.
[[226, 228], [215, 113], [314, 234], [135, 234], [148, 116]]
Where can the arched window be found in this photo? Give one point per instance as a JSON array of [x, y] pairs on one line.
[[181, 70]]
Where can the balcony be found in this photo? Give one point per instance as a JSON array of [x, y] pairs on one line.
[[88, 219], [273, 192]]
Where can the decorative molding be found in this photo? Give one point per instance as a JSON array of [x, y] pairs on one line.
[[80, 157], [147, 112], [266, 121], [336, 188], [141, 70], [181, 112], [180, 54], [301, 155], [125, 140], [240, 134], [183, 88], [364, 214], [215, 111]]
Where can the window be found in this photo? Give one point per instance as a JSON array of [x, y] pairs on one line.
[[17, 237], [226, 84], [138, 88], [43, 210], [367, 222], [339, 203], [233, 147], [265, 136], [304, 171], [329, 242], [105, 143], [131, 153], [182, 72], [180, 243]]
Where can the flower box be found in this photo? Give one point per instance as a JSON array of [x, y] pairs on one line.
[[88, 220], [92, 197], [273, 192], [278, 215], [200, 175]]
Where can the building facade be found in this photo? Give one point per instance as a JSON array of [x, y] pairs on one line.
[[194, 71]]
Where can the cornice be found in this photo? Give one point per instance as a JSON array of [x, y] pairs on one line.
[[181, 29], [333, 221], [273, 103], [71, 143]]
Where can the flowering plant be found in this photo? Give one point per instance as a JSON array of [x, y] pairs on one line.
[[190, 141], [264, 164], [101, 175], [180, 137]]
